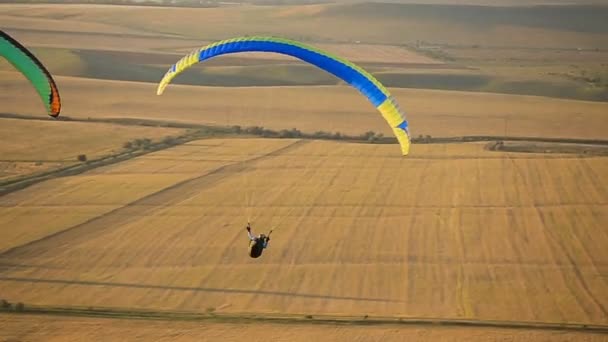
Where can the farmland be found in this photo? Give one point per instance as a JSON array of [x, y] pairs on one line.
[[61, 328], [89, 196], [367, 248], [386, 23], [516, 50], [58, 144], [454, 231], [334, 109]]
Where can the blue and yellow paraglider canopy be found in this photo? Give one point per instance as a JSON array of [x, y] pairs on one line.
[[360, 79]]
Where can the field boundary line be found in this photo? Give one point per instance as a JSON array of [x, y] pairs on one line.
[[305, 319], [345, 138], [133, 206], [76, 168]]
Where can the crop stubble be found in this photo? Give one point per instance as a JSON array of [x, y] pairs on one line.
[[31, 146], [465, 233], [101, 329]]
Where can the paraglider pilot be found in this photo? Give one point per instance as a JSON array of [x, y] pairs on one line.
[[257, 244]]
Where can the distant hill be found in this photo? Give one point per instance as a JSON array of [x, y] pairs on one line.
[[578, 18]]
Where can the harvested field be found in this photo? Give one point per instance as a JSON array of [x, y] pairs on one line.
[[52, 140], [452, 231], [41, 210], [31, 146], [446, 37], [328, 108], [34, 328], [12, 169]]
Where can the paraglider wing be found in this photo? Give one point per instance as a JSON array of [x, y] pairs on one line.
[[367, 84], [35, 72]]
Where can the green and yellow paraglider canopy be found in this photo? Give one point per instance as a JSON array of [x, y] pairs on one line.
[[354, 75], [35, 72]]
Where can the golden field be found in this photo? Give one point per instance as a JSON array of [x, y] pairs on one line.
[[34, 328], [327, 108], [31, 146], [403, 44], [451, 231], [41, 209], [63, 141]]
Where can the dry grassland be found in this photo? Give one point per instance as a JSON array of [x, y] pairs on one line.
[[34, 328], [451, 231], [328, 108]]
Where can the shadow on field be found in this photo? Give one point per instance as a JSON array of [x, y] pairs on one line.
[[194, 289]]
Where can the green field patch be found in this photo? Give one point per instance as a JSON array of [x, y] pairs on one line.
[[434, 80], [568, 90], [543, 86]]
